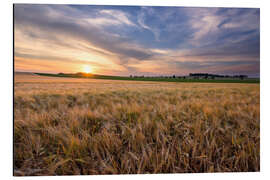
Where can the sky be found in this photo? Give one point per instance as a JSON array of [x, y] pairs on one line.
[[136, 40]]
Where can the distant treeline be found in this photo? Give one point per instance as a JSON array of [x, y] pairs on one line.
[[191, 75], [195, 76], [199, 77], [206, 75], [173, 76]]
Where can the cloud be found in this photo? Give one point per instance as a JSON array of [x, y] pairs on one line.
[[80, 29], [141, 22], [133, 38], [211, 25], [118, 15]]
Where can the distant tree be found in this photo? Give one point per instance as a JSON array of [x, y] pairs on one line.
[[184, 77], [173, 76], [242, 77], [130, 76]]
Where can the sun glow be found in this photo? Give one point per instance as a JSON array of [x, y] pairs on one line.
[[87, 69]]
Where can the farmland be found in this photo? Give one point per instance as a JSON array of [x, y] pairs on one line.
[[185, 79], [65, 126]]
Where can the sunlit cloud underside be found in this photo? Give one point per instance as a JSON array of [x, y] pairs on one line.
[[124, 40]]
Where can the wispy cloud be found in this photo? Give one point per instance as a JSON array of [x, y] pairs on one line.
[[117, 15], [141, 20]]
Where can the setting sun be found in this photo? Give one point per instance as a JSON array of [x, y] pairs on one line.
[[87, 69]]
